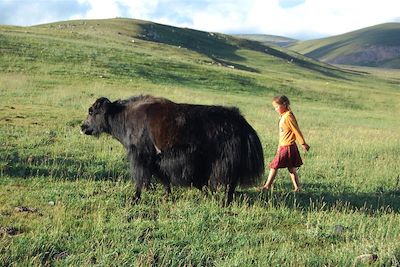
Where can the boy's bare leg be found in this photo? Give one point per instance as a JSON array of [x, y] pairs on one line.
[[295, 179], [271, 178]]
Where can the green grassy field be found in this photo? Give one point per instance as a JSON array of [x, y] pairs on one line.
[[79, 188]]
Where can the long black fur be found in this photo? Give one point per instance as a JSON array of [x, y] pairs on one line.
[[181, 144]]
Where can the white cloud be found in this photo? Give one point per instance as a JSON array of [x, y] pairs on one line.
[[340, 16], [107, 9], [313, 17]]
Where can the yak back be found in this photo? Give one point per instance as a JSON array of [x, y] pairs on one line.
[[171, 124]]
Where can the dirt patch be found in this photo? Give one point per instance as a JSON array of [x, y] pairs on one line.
[[9, 231], [26, 209]]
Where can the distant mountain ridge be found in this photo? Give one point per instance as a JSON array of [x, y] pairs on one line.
[[266, 39], [376, 46]]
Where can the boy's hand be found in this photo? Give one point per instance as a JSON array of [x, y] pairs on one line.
[[305, 147]]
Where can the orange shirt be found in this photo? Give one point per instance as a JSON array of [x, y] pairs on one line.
[[289, 130]]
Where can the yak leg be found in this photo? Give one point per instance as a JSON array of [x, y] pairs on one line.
[[140, 169], [167, 185], [140, 182], [165, 181], [138, 191], [229, 191], [167, 188], [141, 177]]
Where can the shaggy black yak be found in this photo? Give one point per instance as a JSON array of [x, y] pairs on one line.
[[181, 144]]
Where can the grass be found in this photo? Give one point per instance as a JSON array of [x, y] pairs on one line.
[[80, 186]]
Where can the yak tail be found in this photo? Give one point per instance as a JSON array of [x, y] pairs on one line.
[[252, 158]]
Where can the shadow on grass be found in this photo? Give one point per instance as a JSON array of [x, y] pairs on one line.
[[370, 203], [62, 168], [319, 196]]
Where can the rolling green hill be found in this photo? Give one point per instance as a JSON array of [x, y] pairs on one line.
[[209, 48], [65, 198], [377, 46]]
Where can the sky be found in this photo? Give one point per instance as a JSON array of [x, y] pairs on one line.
[[298, 19]]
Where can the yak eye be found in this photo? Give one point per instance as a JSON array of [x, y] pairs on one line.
[[90, 111]]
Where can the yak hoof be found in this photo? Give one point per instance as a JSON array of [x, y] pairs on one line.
[[165, 198], [133, 200], [226, 203]]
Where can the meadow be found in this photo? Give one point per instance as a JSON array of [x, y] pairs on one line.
[[76, 189]]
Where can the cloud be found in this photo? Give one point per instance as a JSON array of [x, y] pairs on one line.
[[293, 18], [27, 12], [300, 19], [340, 16], [119, 8], [290, 3]]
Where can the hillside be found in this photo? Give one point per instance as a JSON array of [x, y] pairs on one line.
[[377, 46], [268, 39], [66, 199], [133, 36]]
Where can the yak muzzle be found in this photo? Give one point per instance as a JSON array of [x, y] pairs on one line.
[[85, 129]]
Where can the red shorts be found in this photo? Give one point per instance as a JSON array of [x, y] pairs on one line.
[[287, 157]]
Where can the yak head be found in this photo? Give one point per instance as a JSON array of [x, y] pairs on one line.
[[96, 121]]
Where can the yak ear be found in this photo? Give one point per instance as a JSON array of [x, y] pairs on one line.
[[102, 103]]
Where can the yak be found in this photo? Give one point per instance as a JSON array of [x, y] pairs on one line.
[[180, 144]]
